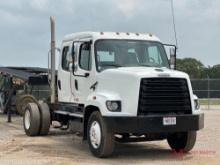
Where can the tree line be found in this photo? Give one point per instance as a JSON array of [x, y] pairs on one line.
[[196, 69]]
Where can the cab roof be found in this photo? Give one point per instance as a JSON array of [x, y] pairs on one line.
[[110, 35]]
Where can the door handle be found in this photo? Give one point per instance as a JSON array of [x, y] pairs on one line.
[[59, 84], [76, 85]]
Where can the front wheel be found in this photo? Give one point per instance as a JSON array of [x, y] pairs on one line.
[[100, 138], [182, 141]]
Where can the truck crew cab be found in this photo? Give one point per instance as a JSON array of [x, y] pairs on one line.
[[118, 87]]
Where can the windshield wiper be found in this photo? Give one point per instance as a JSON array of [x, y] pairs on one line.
[[150, 65], [115, 65], [145, 65]]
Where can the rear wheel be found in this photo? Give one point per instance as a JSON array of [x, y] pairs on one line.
[[45, 118], [31, 120], [100, 138], [182, 141]]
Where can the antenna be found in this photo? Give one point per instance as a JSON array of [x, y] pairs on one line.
[[174, 24]]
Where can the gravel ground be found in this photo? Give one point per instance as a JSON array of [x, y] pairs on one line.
[[61, 147]]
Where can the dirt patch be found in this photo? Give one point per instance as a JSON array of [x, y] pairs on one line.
[[62, 147]]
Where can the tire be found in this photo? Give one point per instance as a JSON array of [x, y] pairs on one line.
[[182, 141], [22, 101], [45, 118], [31, 120], [105, 146]]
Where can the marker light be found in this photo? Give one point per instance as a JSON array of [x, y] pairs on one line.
[[197, 105]]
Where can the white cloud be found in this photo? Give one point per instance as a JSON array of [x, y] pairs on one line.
[[127, 7], [39, 4], [27, 24], [11, 3], [8, 18]]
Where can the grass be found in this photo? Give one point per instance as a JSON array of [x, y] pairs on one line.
[[209, 101]]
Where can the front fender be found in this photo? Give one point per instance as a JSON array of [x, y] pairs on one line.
[[98, 99]]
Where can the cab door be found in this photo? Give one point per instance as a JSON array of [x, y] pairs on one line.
[[84, 71], [64, 74]]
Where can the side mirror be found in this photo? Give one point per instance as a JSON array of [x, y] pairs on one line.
[[173, 50], [71, 67], [69, 58], [172, 58], [70, 61], [75, 67]]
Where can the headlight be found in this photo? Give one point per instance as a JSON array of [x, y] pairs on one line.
[[114, 106], [197, 105]]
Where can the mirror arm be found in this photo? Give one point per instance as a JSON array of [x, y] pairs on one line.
[[175, 58], [85, 75], [73, 72], [171, 45]]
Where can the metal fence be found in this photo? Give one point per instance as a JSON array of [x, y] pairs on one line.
[[208, 90]]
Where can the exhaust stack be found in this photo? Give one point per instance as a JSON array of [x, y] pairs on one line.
[[53, 55]]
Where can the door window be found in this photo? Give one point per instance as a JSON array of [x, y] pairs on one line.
[[65, 61], [84, 57]]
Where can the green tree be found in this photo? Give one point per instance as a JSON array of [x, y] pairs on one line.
[[214, 72], [193, 67]]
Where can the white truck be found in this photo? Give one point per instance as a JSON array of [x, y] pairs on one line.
[[120, 87]]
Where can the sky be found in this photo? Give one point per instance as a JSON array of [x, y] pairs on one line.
[[25, 26]]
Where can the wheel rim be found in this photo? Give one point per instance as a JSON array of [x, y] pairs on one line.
[[27, 119], [95, 134]]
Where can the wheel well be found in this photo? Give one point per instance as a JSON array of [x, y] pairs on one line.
[[20, 102], [88, 111]]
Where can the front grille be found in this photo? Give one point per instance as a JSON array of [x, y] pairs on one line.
[[164, 96]]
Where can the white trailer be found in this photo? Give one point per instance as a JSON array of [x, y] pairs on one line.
[[118, 87]]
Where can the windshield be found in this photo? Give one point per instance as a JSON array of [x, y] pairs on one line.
[[129, 53]]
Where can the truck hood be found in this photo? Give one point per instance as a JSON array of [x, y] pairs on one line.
[[124, 84], [144, 72]]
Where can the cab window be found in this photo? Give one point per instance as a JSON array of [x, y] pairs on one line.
[[65, 61], [84, 57]]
